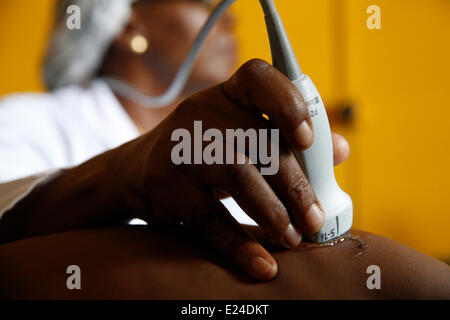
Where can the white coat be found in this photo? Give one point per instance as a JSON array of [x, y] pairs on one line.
[[41, 133]]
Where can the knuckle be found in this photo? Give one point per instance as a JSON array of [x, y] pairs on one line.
[[294, 101], [254, 69], [301, 190], [218, 230], [249, 75], [285, 155], [202, 99], [239, 172], [297, 100], [279, 215], [194, 107], [233, 175]]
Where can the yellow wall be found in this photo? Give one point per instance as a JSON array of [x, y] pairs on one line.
[[397, 80], [23, 30]]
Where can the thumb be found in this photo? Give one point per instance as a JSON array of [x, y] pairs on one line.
[[341, 148]]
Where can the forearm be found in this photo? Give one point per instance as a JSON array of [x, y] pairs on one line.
[[98, 192]]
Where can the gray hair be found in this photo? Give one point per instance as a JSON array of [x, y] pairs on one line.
[[74, 56]]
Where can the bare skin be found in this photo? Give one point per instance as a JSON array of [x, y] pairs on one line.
[[46, 232], [168, 263], [139, 179]]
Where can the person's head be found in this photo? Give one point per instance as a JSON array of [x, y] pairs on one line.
[[148, 42], [169, 28]]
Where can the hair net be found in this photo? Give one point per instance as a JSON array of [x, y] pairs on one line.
[[74, 56]]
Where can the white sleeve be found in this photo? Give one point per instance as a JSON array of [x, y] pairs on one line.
[[30, 141], [12, 192]]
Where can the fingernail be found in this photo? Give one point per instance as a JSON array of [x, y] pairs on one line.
[[292, 237], [304, 134], [263, 268], [314, 218]]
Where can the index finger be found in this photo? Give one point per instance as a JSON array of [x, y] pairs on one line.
[[257, 84]]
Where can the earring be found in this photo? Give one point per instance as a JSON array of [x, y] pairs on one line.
[[139, 44]]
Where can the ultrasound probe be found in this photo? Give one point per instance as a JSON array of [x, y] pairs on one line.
[[316, 161]]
